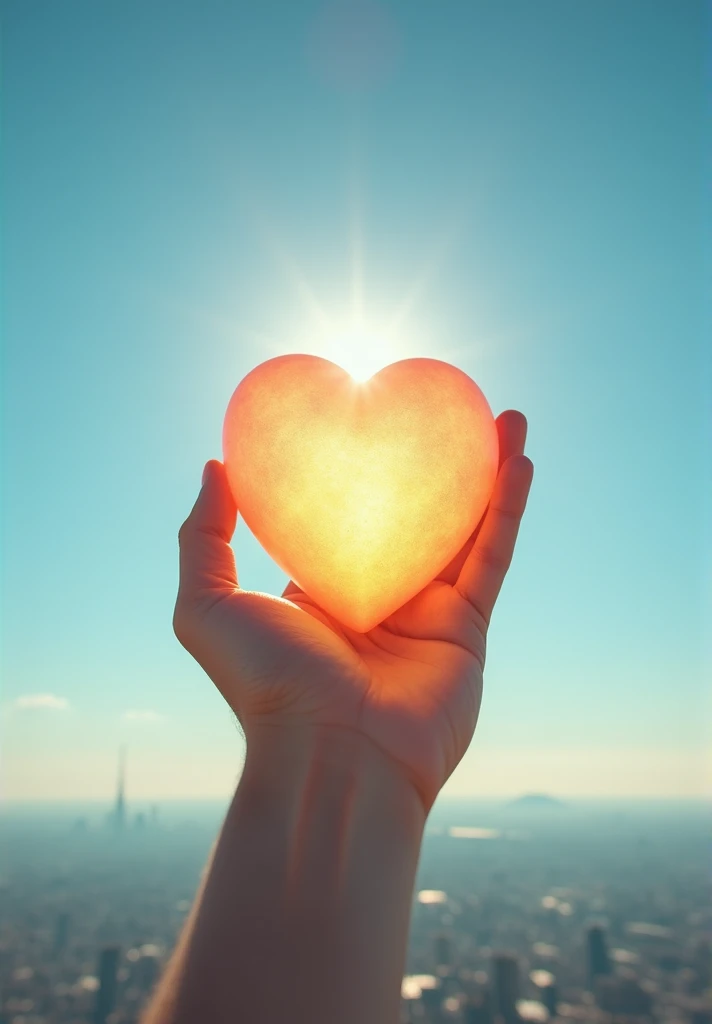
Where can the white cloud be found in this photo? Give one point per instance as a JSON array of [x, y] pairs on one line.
[[34, 701], [142, 716]]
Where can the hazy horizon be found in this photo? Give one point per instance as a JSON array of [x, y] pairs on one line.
[[563, 802]]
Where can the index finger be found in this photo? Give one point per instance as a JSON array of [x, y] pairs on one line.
[[486, 566]]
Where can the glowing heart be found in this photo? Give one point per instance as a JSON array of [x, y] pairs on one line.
[[362, 493]]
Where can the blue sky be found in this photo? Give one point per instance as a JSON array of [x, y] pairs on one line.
[[522, 187]]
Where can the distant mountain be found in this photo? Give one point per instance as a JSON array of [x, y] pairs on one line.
[[536, 802]]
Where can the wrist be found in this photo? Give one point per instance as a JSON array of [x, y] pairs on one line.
[[344, 765], [342, 828]]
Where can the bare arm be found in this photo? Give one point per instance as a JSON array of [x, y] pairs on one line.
[[321, 842]]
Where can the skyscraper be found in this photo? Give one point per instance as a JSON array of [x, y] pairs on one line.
[[432, 999], [599, 964], [119, 817], [550, 998], [505, 985], [106, 993]]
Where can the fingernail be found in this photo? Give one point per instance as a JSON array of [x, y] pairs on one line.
[[206, 470]]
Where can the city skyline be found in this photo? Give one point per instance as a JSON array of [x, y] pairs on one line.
[[514, 919]]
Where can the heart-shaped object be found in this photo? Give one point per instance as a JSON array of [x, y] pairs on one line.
[[362, 493]]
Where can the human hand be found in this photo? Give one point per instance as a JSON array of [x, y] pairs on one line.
[[411, 686]]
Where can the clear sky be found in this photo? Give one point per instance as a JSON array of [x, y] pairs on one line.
[[519, 188]]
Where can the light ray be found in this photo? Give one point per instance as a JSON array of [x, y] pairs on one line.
[[429, 270], [353, 340], [298, 281], [222, 324], [356, 265], [276, 248], [357, 242]]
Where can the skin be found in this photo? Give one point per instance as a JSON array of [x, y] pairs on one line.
[[350, 737]]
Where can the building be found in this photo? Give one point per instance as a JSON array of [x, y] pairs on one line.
[[550, 998], [504, 979], [108, 983], [119, 815], [432, 999], [598, 962]]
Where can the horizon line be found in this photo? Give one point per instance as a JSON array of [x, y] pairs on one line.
[[642, 798]]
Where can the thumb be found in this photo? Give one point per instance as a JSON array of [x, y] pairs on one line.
[[207, 563]]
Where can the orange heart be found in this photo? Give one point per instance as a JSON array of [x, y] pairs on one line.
[[362, 493]]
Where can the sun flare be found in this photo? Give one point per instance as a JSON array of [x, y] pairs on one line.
[[359, 340], [359, 351]]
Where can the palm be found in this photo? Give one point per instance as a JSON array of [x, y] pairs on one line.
[[412, 685], [418, 685]]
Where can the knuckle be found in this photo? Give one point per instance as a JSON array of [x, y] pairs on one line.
[[508, 514], [493, 559], [182, 622], [183, 532]]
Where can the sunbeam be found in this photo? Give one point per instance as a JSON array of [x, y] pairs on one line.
[[429, 270], [293, 273], [352, 337]]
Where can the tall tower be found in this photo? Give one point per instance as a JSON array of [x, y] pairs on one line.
[[597, 954], [120, 805], [550, 998], [108, 979], [504, 976]]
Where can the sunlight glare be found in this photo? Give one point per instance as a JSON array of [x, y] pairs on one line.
[[359, 351]]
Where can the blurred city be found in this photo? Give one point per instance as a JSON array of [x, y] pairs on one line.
[[530, 910]]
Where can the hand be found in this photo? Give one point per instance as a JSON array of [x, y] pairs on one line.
[[412, 686]]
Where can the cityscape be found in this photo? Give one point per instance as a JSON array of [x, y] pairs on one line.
[[531, 910]]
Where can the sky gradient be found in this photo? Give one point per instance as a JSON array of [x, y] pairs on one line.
[[521, 189]]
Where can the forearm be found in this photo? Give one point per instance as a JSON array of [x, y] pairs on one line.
[[304, 912]]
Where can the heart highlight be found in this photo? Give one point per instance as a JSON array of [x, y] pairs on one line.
[[362, 493]]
